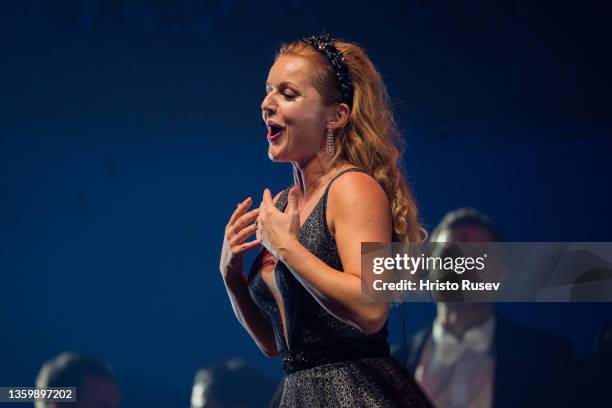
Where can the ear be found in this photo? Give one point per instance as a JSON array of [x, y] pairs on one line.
[[339, 115]]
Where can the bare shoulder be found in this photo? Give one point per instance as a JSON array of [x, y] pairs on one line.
[[357, 196], [353, 187]]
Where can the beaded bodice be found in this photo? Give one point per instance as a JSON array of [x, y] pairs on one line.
[[314, 336]]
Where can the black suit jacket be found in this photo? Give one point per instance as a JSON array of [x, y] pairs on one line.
[[532, 368]]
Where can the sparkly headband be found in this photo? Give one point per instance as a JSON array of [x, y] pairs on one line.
[[325, 45]]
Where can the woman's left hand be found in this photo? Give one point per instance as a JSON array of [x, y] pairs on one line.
[[276, 230]]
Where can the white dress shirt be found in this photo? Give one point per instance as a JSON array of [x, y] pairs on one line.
[[459, 373]]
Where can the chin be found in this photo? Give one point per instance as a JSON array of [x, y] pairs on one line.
[[273, 158], [276, 158], [276, 155]]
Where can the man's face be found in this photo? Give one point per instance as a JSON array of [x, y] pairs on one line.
[[468, 233]]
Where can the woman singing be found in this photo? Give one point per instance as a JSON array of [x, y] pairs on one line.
[[327, 112]]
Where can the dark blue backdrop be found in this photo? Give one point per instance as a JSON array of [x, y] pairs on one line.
[[130, 130]]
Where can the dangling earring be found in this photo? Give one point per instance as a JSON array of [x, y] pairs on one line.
[[330, 142]]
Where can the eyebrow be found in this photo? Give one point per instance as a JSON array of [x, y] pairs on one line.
[[284, 83]]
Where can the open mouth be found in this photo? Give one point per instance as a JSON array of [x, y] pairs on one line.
[[274, 131]]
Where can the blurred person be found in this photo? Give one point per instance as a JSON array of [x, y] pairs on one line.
[[95, 383], [231, 384], [472, 357], [327, 113]]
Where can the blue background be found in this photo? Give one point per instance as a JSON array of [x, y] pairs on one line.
[[129, 130]]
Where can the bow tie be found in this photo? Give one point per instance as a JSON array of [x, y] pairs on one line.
[[448, 348]]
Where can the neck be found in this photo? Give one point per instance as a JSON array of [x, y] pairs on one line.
[[458, 318], [311, 175]]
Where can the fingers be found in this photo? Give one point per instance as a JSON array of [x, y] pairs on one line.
[[238, 228], [247, 246], [240, 210], [240, 237], [258, 235], [292, 200], [267, 198], [244, 220]]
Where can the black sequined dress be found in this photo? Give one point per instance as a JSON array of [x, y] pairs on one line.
[[327, 362]]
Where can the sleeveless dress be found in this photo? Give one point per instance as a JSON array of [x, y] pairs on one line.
[[327, 363]]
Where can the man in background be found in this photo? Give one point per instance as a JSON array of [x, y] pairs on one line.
[[94, 381], [471, 357], [231, 384]]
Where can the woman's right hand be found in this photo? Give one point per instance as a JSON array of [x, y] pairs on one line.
[[237, 230]]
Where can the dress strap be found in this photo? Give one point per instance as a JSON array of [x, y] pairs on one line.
[[281, 203], [323, 201], [341, 173], [334, 179]]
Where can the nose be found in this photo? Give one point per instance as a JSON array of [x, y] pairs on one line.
[[267, 105]]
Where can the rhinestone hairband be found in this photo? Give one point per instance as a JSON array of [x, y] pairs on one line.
[[325, 45]]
